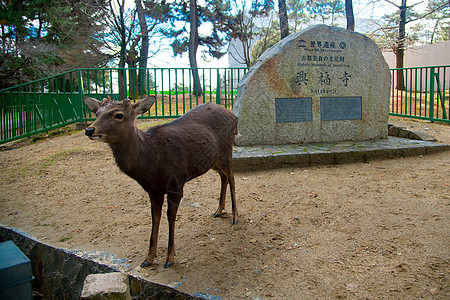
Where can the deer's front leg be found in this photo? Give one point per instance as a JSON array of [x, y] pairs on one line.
[[156, 202], [173, 201]]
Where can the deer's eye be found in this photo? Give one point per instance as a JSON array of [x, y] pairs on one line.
[[118, 116]]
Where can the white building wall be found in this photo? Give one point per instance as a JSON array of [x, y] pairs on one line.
[[424, 56]]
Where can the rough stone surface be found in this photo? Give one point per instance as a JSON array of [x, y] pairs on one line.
[[322, 84], [106, 286], [402, 132], [60, 273]]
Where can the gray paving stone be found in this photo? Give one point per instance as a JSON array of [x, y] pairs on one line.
[[274, 156]]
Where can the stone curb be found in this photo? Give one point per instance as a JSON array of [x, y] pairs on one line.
[[60, 273], [277, 156]]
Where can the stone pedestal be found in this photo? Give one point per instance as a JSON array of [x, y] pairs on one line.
[[322, 84]]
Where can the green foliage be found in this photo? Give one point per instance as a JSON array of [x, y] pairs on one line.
[[298, 14], [243, 28], [180, 88], [435, 29], [270, 37], [325, 9], [214, 13], [390, 39], [438, 14], [44, 37]]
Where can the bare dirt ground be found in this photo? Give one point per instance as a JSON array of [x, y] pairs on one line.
[[364, 230]]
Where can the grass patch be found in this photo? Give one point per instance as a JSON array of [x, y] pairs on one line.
[[39, 138], [45, 225], [50, 160], [26, 168], [64, 239]]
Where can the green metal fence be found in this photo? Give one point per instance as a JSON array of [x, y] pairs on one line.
[[421, 93], [56, 101]]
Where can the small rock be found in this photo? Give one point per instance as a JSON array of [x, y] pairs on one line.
[[106, 286], [352, 287], [253, 241], [196, 204], [207, 296], [434, 291]]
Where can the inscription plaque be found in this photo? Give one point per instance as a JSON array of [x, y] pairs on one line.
[[293, 109], [340, 108]]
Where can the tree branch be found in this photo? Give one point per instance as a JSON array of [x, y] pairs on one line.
[[429, 13]]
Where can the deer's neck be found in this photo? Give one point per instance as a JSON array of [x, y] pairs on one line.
[[130, 153]]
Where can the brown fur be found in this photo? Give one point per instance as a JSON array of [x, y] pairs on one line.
[[167, 156]]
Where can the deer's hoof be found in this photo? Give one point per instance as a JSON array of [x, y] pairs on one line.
[[216, 215], [145, 264], [168, 264], [234, 222]]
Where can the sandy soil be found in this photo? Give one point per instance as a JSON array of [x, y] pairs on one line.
[[364, 230]]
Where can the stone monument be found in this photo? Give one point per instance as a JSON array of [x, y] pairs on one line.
[[323, 84]]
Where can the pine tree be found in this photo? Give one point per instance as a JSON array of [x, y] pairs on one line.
[[243, 28], [192, 15], [44, 37]]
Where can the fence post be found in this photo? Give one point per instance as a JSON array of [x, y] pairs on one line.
[[28, 111], [431, 112], [440, 94], [218, 88], [80, 96]]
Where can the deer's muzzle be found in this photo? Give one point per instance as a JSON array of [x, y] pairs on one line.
[[89, 131]]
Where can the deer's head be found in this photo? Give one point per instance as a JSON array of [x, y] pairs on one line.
[[115, 119]]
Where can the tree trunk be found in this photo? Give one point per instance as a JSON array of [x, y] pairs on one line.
[[349, 15], [143, 56], [193, 45], [123, 49], [284, 24], [400, 54], [133, 86]]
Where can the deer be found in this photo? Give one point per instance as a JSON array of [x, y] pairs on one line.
[[166, 156]]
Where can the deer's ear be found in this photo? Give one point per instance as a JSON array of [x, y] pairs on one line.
[[92, 104], [144, 105]]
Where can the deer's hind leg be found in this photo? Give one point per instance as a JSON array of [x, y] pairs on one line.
[[225, 170], [223, 193]]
